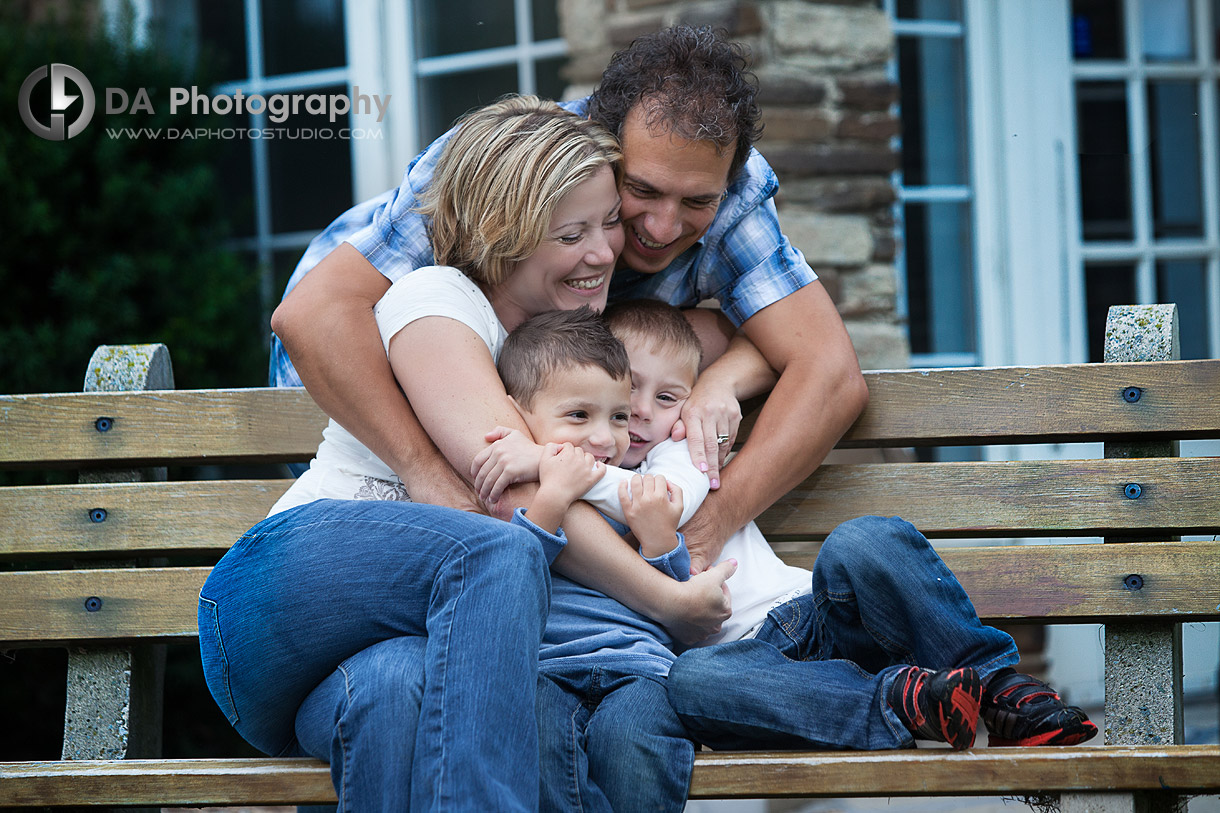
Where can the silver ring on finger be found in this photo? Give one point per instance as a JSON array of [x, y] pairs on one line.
[[722, 439]]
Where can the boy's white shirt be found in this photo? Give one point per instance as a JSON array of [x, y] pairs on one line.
[[762, 581]]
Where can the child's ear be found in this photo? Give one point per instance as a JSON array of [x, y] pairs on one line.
[[520, 410]]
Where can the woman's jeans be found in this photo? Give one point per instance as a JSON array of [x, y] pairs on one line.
[[818, 674], [413, 632], [610, 740]]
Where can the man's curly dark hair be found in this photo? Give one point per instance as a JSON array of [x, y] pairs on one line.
[[695, 84]]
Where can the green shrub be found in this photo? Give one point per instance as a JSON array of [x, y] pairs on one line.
[[115, 240]]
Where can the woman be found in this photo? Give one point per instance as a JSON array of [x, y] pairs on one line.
[[400, 641]]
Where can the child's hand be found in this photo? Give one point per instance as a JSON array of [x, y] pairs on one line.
[[566, 473], [511, 458], [652, 507]]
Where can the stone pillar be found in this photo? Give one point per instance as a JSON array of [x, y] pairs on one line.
[[114, 693], [827, 111], [1143, 659]]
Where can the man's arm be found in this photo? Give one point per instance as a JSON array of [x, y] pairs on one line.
[[326, 323], [820, 393]]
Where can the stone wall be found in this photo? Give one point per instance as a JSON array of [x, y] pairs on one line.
[[826, 106]]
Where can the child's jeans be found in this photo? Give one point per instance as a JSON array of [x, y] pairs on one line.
[[818, 673], [609, 741]]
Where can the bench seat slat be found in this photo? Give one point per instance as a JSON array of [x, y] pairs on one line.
[[1065, 583], [934, 771], [1178, 496], [141, 518]]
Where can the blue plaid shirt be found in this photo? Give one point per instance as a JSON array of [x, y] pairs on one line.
[[743, 261]]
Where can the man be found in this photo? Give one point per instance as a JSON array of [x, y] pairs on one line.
[[700, 223]]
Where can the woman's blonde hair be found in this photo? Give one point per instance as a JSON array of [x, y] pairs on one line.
[[500, 177]]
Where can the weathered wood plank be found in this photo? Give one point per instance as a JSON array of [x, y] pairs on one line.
[[986, 499], [1078, 583], [716, 775], [59, 606], [132, 518], [1074, 402], [188, 426], [1061, 583], [932, 772], [907, 408]]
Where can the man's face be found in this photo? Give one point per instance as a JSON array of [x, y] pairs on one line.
[[671, 189]]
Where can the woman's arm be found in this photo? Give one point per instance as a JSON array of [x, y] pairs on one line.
[[345, 370], [456, 411]]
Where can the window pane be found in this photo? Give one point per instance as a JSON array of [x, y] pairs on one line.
[[1105, 183], [551, 84], [940, 287], [1167, 30], [933, 111], [222, 32], [483, 24], [303, 35], [1173, 121], [443, 99], [311, 173], [945, 10], [546, 19], [1105, 285], [1184, 283], [1097, 29]]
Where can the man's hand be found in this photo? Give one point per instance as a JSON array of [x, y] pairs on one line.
[[653, 509], [699, 607], [511, 458]]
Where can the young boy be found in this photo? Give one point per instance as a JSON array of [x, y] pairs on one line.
[[828, 657], [608, 735]]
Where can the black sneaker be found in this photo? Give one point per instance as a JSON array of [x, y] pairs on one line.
[[1022, 710], [942, 706]]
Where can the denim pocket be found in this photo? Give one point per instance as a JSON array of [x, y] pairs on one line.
[[215, 663]]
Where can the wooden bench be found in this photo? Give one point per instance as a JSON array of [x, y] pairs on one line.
[[117, 594]]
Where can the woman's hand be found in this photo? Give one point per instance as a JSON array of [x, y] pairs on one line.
[[653, 509], [710, 414], [511, 458]]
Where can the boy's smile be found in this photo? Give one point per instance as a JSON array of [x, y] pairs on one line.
[[584, 406]]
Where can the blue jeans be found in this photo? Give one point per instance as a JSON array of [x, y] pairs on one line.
[[609, 741], [818, 674], [395, 614]]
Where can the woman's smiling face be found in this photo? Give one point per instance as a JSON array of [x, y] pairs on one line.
[[573, 264]]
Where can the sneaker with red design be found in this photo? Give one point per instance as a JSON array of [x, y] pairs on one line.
[[941, 706], [1022, 710]]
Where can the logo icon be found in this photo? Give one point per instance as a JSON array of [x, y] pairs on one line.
[[61, 102]]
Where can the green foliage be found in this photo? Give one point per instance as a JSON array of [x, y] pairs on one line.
[[115, 240]]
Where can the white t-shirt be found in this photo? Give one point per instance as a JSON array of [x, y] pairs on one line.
[[344, 468], [762, 581]]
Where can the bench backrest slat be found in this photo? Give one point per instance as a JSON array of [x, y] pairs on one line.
[[998, 405], [187, 426], [1178, 496], [907, 408], [136, 518], [1078, 583]]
